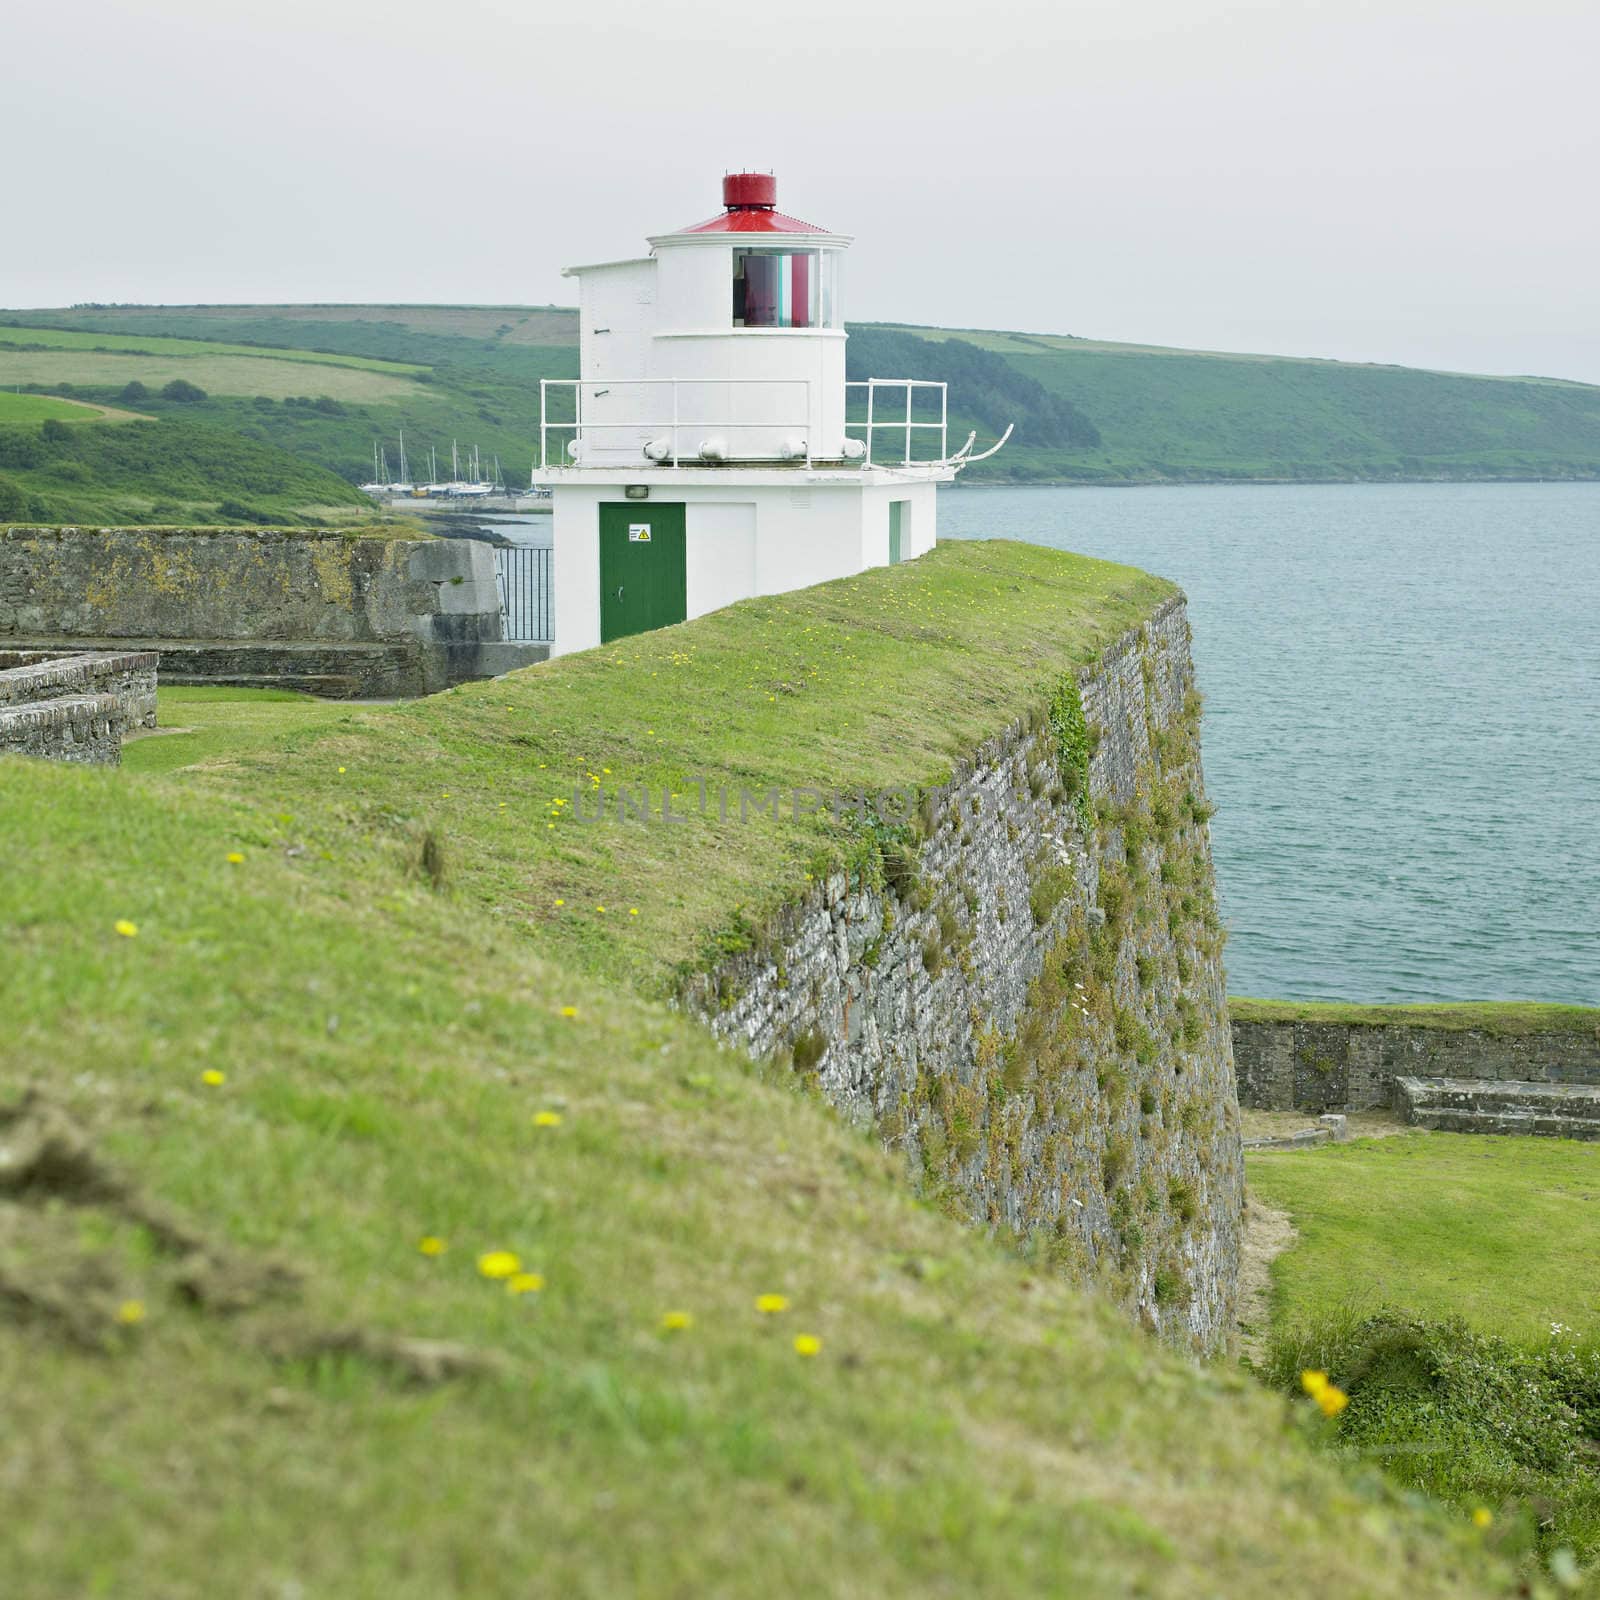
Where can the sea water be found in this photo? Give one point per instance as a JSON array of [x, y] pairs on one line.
[[1402, 732]]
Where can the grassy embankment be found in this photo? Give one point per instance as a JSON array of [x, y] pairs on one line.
[[1138, 414], [454, 1055], [1486, 1016]]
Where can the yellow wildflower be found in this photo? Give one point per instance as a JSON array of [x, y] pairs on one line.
[[633, 911], [569, 1011], [1313, 1382], [130, 1312], [429, 1245], [127, 929], [561, 902], [806, 1344], [212, 1078], [601, 910], [1332, 1401], [499, 1264], [547, 1119], [676, 1321], [769, 1304], [235, 859], [524, 1283], [1482, 1517], [341, 769]]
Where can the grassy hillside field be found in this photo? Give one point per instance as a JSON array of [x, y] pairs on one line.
[[325, 381], [322, 388], [19, 410], [302, 1083], [126, 470]]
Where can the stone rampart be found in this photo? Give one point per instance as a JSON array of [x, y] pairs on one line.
[[344, 617], [1309, 1065], [74, 708], [1031, 1006]]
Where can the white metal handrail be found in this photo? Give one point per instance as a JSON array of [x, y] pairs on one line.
[[578, 424], [872, 385]]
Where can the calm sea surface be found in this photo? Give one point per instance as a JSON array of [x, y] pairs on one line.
[[1402, 721]]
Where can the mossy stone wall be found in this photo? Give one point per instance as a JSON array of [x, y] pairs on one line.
[[1030, 1004], [271, 606], [1349, 1066]]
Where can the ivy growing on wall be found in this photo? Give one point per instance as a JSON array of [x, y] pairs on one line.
[[1071, 733]]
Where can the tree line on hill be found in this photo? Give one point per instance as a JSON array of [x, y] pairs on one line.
[[63, 471], [984, 386]]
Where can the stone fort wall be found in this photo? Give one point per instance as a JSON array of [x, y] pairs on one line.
[[344, 617], [1031, 1006], [74, 708], [1317, 1066]]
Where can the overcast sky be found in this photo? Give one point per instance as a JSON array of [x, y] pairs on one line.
[[1410, 181]]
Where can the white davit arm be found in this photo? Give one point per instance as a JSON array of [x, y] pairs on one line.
[[1010, 427]]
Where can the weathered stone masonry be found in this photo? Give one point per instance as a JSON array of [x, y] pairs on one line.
[[1350, 1066], [1031, 1005], [348, 618], [74, 708]]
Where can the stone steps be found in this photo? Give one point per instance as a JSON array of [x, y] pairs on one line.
[[1483, 1105]]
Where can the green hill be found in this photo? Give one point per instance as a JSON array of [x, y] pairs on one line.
[[167, 471], [296, 1039], [1194, 416], [320, 382], [324, 381]]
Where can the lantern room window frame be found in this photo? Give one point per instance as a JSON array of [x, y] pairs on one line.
[[784, 288]]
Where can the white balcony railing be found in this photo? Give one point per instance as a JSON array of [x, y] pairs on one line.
[[725, 419], [876, 422]]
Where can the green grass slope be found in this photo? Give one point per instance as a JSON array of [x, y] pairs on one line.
[[229, 1368], [1086, 411]]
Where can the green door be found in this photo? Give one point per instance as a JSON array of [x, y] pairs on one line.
[[897, 530], [643, 583]]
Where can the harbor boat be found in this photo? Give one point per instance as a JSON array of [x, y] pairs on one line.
[[380, 472]]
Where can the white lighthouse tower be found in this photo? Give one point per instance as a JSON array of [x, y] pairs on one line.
[[711, 448]]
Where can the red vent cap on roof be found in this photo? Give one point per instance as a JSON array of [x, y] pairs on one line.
[[745, 191]]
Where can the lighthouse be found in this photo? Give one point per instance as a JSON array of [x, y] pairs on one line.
[[711, 448]]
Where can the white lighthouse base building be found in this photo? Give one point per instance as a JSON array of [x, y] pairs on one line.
[[711, 449], [764, 534]]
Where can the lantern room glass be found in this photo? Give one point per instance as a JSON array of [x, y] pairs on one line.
[[783, 289]]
